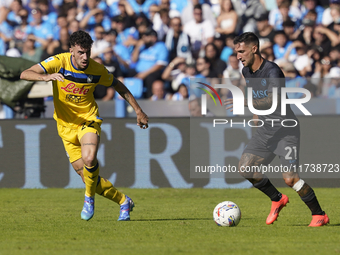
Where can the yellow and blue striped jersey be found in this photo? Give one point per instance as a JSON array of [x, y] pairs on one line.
[[73, 98]]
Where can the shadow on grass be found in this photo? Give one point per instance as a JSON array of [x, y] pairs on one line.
[[172, 219], [328, 225]]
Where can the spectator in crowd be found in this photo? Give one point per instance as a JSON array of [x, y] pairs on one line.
[[59, 46], [102, 92], [181, 94], [122, 27], [195, 108], [48, 15], [265, 32], [234, 79], [4, 9], [111, 64], [20, 31], [322, 70], [228, 49], [289, 29], [99, 19], [30, 51], [233, 67], [120, 52], [177, 7], [203, 68], [128, 36], [73, 26], [70, 9], [32, 4], [177, 42], [334, 54], [99, 44], [6, 33], [227, 20], [281, 45], [127, 12], [302, 61], [247, 11], [267, 52], [43, 31], [175, 72], [141, 6], [284, 12], [308, 5], [324, 39], [150, 56], [332, 13], [188, 13], [219, 41], [124, 9], [293, 79], [201, 31], [61, 23], [305, 31], [161, 23], [87, 9], [190, 72], [158, 91], [13, 17], [213, 56]]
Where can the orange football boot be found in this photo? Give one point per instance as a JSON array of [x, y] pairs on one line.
[[319, 220], [276, 208]]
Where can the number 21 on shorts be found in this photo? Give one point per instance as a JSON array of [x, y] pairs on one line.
[[291, 152]]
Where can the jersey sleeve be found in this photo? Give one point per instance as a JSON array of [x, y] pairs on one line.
[[106, 78], [51, 65], [276, 80]]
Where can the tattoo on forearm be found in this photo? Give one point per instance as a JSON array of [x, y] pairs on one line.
[[304, 190], [78, 170], [124, 94], [89, 144], [265, 103]]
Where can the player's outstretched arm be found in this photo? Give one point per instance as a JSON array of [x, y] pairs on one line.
[[36, 73], [142, 118]]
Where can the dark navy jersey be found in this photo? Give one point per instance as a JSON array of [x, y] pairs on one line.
[[262, 81]]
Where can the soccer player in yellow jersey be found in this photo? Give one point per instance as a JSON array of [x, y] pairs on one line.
[[74, 76]]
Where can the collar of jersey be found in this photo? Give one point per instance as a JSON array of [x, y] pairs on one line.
[[261, 67], [76, 67]]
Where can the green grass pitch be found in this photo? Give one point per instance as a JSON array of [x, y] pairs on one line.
[[164, 221]]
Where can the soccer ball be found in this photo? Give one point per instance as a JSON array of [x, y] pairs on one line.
[[227, 214]]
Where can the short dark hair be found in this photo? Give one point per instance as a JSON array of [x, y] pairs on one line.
[[198, 6], [247, 38], [81, 38]]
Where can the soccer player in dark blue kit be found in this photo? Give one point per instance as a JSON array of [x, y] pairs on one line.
[[271, 138]]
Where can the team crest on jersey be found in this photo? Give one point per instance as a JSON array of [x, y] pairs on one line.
[[89, 79], [184, 48], [73, 98], [48, 59], [263, 82]]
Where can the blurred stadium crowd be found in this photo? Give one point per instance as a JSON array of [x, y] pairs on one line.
[[161, 44]]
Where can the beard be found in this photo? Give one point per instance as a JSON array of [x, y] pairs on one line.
[[148, 45]]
